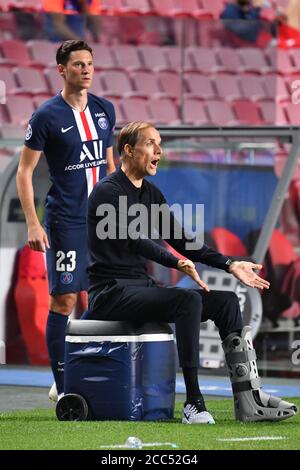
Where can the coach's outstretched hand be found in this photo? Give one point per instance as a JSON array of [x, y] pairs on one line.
[[187, 267], [244, 272]]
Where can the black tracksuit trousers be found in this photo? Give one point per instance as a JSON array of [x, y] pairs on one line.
[[143, 301]]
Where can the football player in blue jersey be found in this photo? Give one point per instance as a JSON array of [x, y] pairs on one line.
[[74, 130]]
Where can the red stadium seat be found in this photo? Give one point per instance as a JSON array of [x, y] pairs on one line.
[[96, 87], [127, 57], [282, 62], [4, 118], [294, 192], [227, 86], [30, 80], [38, 100], [19, 108], [272, 113], [194, 112], [112, 7], [295, 56], [8, 78], [121, 118], [221, 113], [276, 88], [227, 242], [204, 59], [117, 83], [254, 86], [137, 7], [191, 8], [254, 60], [247, 112], [54, 80], [173, 56], [199, 86], [16, 52], [103, 57], [135, 109], [147, 83], [11, 131], [167, 8], [281, 250], [229, 59], [42, 52], [170, 83], [292, 111], [32, 301], [214, 6], [164, 111], [153, 58]]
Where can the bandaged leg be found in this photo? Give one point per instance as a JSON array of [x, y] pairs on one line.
[[251, 403]]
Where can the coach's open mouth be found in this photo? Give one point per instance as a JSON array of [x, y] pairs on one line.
[[154, 163]]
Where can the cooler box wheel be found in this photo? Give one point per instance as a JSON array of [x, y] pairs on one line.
[[72, 407]]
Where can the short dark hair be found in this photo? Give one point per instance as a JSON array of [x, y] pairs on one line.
[[129, 134], [65, 49]]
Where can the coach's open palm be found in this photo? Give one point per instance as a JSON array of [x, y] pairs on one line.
[[187, 267], [244, 272]]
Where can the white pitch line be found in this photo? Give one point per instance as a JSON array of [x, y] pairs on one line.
[[258, 438]]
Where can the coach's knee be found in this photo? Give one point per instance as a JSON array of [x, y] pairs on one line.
[[191, 302], [63, 303], [231, 298]]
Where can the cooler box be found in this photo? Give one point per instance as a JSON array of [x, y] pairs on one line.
[[122, 370]]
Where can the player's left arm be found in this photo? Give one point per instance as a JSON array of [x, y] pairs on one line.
[[110, 160]]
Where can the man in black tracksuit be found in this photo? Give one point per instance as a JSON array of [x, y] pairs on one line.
[[121, 289]]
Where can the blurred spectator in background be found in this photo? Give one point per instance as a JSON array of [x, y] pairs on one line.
[[289, 27], [253, 31], [68, 19], [27, 24]]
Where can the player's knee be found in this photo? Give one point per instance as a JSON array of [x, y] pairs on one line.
[[63, 303]]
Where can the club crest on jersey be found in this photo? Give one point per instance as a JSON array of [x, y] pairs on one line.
[[66, 278], [28, 132], [102, 123]]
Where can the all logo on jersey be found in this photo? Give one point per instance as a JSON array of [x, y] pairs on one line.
[[28, 132], [89, 157], [102, 123]]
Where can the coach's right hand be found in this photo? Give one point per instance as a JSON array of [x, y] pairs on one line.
[[187, 266], [37, 238]]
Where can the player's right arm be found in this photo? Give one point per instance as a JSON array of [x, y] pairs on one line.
[[37, 237]]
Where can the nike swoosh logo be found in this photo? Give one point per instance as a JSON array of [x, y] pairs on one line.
[[60, 363], [66, 130]]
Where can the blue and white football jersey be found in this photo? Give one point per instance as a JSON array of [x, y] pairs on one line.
[[75, 146]]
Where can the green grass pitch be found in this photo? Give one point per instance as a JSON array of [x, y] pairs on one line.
[[39, 429]]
